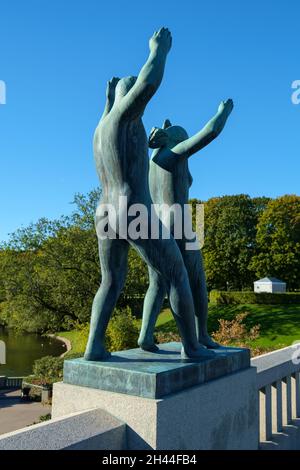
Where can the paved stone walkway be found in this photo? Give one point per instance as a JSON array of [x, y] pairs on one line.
[[16, 413]]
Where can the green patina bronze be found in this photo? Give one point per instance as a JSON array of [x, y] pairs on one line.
[[154, 375], [170, 180], [121, 154]]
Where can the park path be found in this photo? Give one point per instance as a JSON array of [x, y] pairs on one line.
[[16, 413]]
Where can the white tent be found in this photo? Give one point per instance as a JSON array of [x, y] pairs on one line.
[[269, 284]]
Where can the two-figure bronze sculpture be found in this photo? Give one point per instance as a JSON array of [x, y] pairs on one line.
[[122, 160]]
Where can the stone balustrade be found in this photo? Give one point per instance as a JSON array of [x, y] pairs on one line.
[[10, 382], [278, 382]]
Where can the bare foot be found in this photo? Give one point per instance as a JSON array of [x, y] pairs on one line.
[[150, 347], [96, 354], [147, 345], [197, 352], [208, 342]]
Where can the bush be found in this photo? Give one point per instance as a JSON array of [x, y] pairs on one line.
[[46, 417], [230, 333], [167, 337], [235, 298], [42, 418], [47, 370], [235, 333], [122, 332]]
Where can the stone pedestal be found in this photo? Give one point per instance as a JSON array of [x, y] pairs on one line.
[[167, 402]]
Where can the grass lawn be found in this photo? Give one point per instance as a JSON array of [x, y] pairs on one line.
[[77, 341], [279, 324]]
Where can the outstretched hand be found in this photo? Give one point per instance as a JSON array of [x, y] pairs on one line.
[[161, 41], [158, 138], [111, 87], [225, 107]]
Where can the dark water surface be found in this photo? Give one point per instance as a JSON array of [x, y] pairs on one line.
[[23, 348]]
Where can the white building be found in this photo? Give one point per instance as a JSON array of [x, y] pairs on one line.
[[269, 284]]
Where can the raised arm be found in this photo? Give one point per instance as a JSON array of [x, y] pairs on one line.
[[150, 76], [167, 152], [110, 95], [212, 129]]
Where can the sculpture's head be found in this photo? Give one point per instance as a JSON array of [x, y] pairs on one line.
[[167, 136], [124, 85]]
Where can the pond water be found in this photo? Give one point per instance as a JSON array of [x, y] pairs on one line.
[[23, 348]]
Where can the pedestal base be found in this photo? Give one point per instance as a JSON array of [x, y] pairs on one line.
[[154, 374], [220, 414]]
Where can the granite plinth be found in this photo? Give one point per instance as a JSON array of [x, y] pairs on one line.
[[154, 375], [218, 415], [93, 429]]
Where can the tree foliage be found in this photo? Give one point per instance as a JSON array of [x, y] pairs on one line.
[[50, 272], [278, 241], [230, 240]]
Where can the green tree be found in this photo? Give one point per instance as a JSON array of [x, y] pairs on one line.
[[278, 241], [230, 240], [50, 272]]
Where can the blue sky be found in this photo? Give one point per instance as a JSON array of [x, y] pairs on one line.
[[56, 57]]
